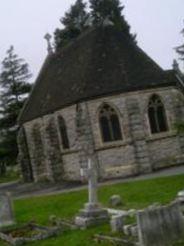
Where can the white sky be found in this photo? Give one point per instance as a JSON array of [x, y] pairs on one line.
[[23, 23]]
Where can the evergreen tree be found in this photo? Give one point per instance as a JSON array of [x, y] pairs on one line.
[[74, 23], [111, 10], [76, 20], [180, 49], [14, 91]]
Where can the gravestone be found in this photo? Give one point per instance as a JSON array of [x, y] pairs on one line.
[[131, 230], [117, 223], [6, 210], [115, 201], [160, 226], [93, 213], [180, 196]]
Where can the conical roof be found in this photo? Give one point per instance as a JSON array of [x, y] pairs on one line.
[[102, 61]]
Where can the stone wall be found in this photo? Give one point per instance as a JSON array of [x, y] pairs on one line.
[[53, 150], [71, 165], [138, 136], [117, 161], [71, 157], [23, 157], [85, 137], [165, 151], [138, 152], [36, 144], [132, 110]]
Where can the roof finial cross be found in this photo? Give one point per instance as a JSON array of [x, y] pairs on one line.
[[49, 46]]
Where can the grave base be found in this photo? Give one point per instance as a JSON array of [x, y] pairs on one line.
[[91, 215], [7, 223]]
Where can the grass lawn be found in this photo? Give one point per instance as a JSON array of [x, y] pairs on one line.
[[137, 194]]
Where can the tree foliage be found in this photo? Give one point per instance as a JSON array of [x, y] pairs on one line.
[[74, 23], [14, 91], [108, 9], [180, 49], [77, 19]]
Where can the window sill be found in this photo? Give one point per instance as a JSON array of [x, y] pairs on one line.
[[114, 144], [162, 135]]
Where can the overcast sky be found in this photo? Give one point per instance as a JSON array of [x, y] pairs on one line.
[[23, 23]]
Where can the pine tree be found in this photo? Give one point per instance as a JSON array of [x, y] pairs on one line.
[[111, 10], [180, 49], [74, 23], [14, 91]]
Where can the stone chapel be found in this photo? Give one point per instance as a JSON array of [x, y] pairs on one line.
[[101, 96]]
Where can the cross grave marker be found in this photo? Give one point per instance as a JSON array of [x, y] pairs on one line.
[[92, 213]]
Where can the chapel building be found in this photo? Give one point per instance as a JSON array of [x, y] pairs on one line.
[[102, 97]]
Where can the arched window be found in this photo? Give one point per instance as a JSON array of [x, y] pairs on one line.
[[109, 124], [63, 133], [157, 115]]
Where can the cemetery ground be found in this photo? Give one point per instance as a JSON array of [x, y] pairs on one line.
[[137, 194], [10, 176]]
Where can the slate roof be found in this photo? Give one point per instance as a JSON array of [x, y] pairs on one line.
[[102, 61]]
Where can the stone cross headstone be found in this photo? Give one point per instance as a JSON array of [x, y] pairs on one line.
[[92, 213], [49, 46], [6, 210], [92, 183]]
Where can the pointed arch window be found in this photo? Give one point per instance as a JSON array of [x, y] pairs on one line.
[[157, 115], [109, 124], [63, 133]]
